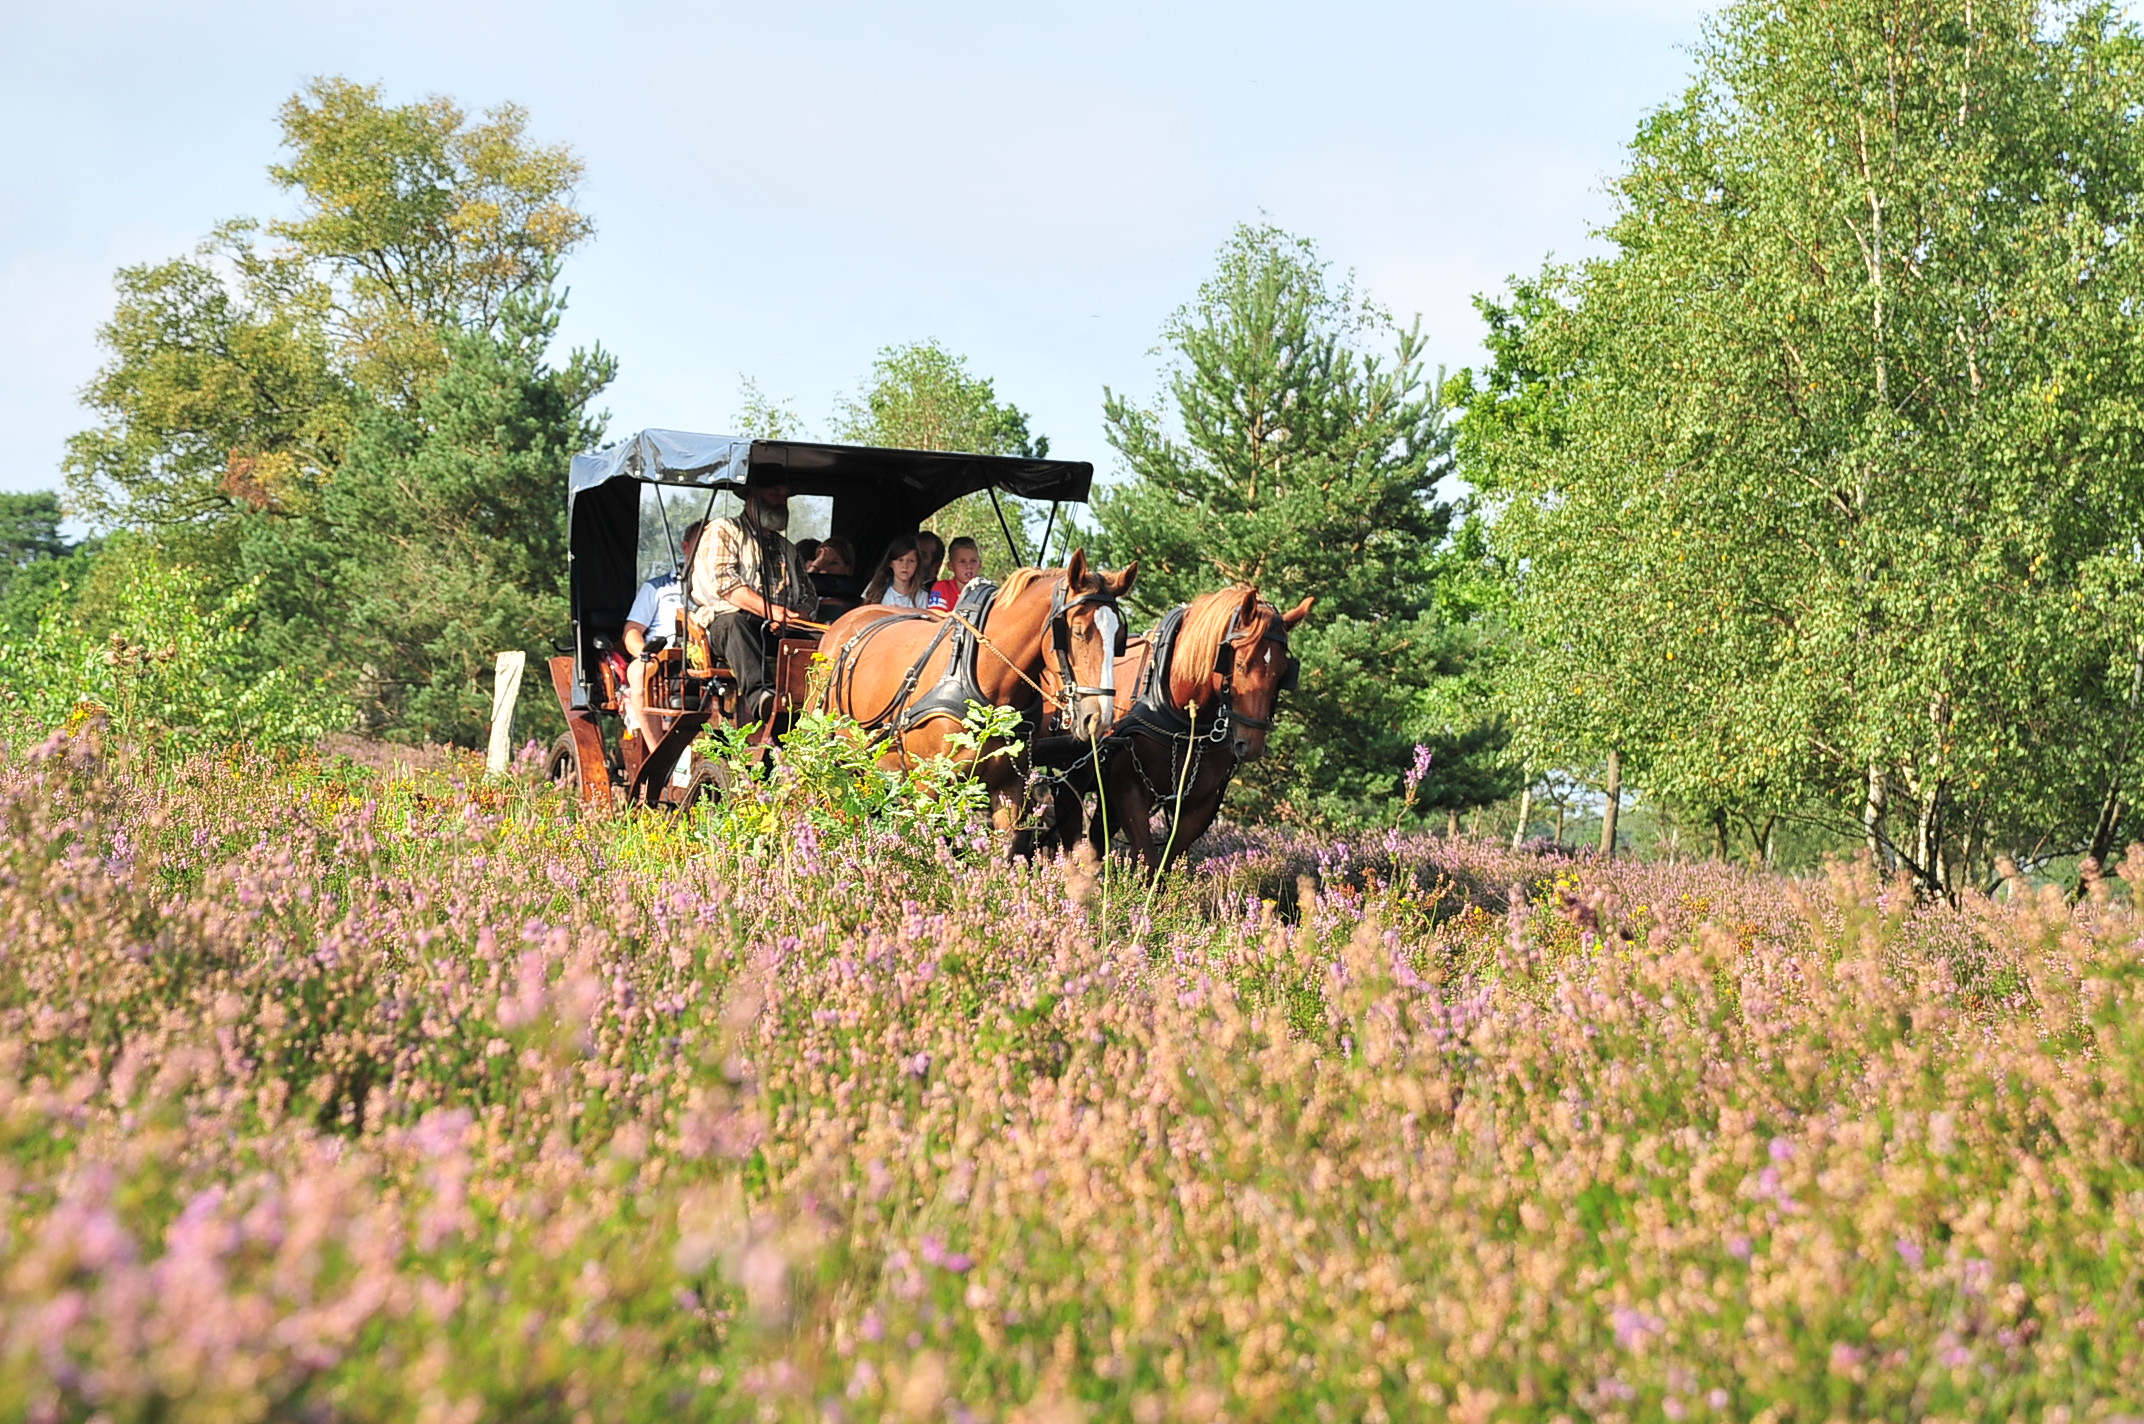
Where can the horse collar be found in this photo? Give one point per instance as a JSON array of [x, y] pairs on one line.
[[962, 682]]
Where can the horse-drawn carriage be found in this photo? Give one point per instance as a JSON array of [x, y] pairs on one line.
[[1156, 728], [627, 507]]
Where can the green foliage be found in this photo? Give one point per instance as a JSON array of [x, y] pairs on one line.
[[424, 221], [1303, 463], [181, 670], [762, 417], [236, 378], [1824, 484], [36, 564], [923, 397], [829, 780], [220, 395], [45, 585], [442, 538], [358, 424], [29, 530]]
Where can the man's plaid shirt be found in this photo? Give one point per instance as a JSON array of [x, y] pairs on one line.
[[734, 555]]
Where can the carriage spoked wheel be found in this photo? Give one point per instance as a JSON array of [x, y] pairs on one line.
[[708, 784], [712, 780], [562, 765]]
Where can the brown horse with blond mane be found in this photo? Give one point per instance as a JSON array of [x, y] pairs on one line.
[[1044, 640], [1197, 699]]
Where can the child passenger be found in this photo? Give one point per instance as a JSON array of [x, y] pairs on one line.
[[898, 581], [967, 566]]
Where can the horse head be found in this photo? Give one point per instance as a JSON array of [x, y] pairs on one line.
[[1260, 669], [1086, 634]]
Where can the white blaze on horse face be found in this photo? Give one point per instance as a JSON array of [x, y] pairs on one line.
[[1105, 625]]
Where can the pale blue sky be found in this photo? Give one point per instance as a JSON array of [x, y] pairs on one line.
[[782, 189]]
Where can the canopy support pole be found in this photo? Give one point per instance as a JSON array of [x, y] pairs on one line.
[[669, 539], [1006, 528], [1044, 553]]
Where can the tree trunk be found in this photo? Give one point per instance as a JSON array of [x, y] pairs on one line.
[[1928, 842], [1559, 825], [1764, 841], [1719, 833], [1526, 811], [1451, 824], [1872, 819], [2110, 806], [1614, 804]]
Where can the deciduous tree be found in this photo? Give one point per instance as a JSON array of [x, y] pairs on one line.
[[234, 377], [923, 397], [423, 221], [221, 393], [1822, 489]]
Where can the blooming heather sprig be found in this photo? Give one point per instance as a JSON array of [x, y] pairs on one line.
[[1413, 777]]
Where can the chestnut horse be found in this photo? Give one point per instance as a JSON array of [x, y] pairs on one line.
[[1046, 638], [1185, 725]]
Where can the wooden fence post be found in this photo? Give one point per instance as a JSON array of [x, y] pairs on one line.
[[505, 692]]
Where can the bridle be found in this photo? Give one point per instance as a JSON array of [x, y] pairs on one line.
[[1062, 605], [1228, 715]]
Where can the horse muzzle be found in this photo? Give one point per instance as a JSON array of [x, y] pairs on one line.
[[1093, 713]]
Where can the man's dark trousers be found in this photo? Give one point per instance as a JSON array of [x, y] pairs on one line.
[[740, 642]]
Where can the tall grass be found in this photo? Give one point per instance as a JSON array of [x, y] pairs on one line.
[[328, 1097]]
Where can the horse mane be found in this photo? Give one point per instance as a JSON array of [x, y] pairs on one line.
[[1199, 639], [1017, 581]]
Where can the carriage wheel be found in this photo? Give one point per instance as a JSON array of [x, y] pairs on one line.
[[709, 783], [563, 764]]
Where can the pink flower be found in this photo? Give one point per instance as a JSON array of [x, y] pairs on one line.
[[1633, 1327], [1419, 770]]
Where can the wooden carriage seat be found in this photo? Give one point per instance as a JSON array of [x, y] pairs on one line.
[[699, 651]]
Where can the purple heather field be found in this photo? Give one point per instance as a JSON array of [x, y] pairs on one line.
[[328, 1094]]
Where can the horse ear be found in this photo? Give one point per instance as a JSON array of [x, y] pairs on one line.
[[1076, 568], [1122, 583], [1247, 610], [1298, 613]]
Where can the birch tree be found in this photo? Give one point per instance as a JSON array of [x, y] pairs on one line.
[[1823, 485]]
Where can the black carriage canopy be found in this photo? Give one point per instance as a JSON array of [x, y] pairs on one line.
[[876, 494]]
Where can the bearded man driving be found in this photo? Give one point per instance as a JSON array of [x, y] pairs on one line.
[[747, 585]]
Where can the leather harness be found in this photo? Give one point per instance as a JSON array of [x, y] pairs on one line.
[[1154, 712], [961, 685]]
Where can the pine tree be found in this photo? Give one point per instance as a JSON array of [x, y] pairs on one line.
[[1285, 454], [442, 539]]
